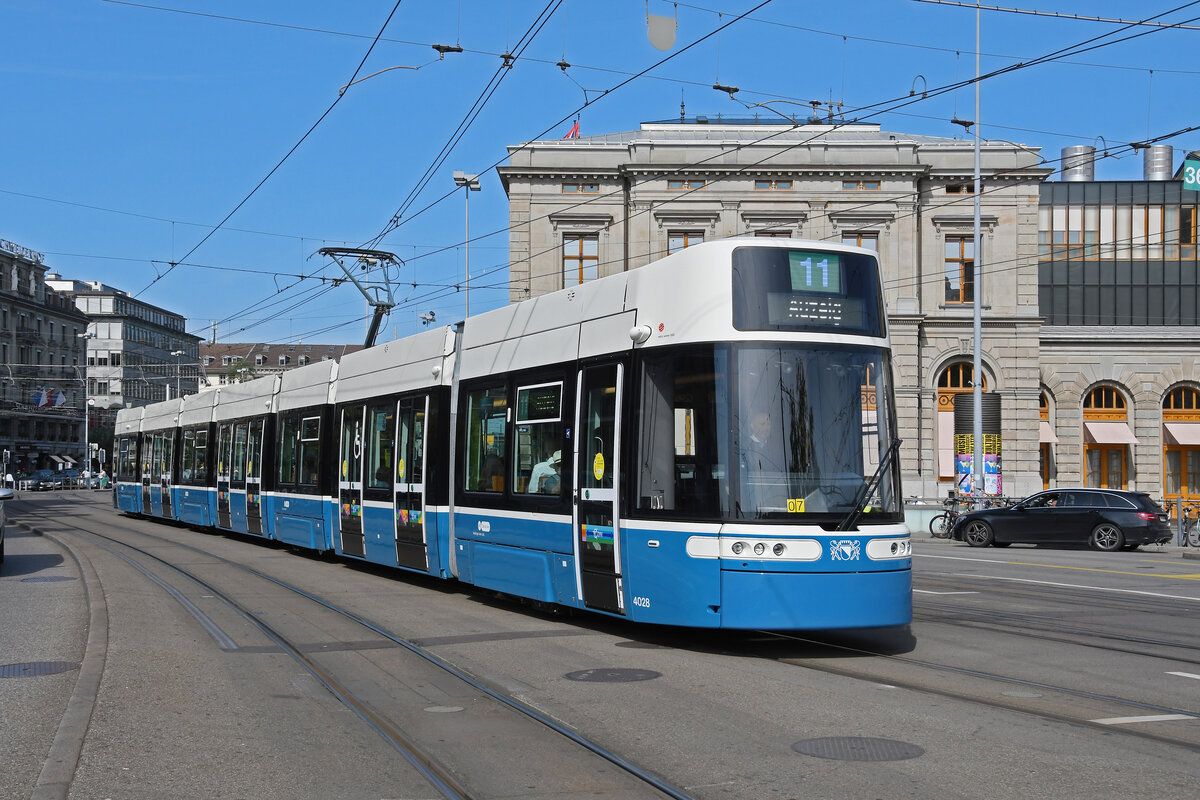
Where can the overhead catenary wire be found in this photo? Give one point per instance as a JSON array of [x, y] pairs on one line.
[[286, 156]]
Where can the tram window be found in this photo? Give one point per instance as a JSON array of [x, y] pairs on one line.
[[200, 470], [683, 454], [310, 450], [487, 411], [238, 463], [538, 465], [189, 454], [288, 440], [381, 430]]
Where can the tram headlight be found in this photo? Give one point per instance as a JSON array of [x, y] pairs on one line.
[[778, 549], [737, 548], [895, 548], [759, 548]]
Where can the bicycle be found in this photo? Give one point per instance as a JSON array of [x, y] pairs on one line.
[[1191, 527], [941, 525]]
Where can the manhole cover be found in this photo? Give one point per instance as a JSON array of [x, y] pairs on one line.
[[47, 579], [612, 675], [858, 748], [31, 669]]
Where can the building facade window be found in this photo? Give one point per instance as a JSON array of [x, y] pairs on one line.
[[685, 184], [1106, 439], [867, 239], [580, 188], [960, 269], [766, 185], [960, 188], [1045, 441], [1181, 444], [581, 258], [861, 186], [681, 240], [956, 380]]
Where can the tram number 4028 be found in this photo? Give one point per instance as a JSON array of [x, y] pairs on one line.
[[641, 602]]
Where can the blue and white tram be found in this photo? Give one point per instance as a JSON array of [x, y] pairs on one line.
[[707, 441]]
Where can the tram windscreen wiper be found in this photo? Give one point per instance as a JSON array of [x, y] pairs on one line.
[[851, 519]]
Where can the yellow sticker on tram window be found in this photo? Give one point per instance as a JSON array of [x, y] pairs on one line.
[[796, 506], [400, 469], [345, 468], [598, 466]]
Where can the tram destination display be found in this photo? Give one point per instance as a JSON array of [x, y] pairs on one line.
[[777, 289]]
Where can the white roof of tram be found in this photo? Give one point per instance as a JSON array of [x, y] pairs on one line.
[[248, 399], [415, 362]]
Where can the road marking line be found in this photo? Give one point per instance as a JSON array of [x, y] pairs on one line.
[[1186, 577], [1185, 675], [1152, 718], [927, 591], [1077, 586]]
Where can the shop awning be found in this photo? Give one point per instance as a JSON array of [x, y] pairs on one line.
[[68, 460], [1183, 432], [57, 459], [1109, 433], [1046, 434]]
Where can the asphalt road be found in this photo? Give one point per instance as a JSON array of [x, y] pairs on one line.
[[1027, 672]]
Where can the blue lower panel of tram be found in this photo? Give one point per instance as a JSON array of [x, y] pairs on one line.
[[815, 600], [525, 557], [196, 505], [300, 521], [129, 497]]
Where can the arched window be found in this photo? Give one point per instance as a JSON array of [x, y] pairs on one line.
[[957, 378], [1181, 443], [1106, 439], [1046, 440]]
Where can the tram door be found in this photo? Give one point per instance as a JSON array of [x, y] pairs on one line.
[[350, 488], [410, 482], [148, 462], [597, 478], [254, 446], [166, 469], [224, 464]]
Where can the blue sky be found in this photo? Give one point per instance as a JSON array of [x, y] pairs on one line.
[[133, 129]]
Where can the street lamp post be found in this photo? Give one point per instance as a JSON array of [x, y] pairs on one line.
[[88, 402], [178, 370], [87, 437], [470, 183]]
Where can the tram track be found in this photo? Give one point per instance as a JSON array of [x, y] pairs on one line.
[[445, 779]]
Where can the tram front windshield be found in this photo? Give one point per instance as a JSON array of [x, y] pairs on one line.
[[783, 432]]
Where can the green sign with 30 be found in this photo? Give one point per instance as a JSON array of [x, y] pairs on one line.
[[1191, 175]]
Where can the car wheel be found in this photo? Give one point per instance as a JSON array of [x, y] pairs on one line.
[[977, 533], [1106, 536]]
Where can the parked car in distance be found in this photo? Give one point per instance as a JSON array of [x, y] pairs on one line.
[[1105, 519], [46, 479], [5, 494]]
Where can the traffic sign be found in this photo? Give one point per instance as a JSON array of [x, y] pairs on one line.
[[1191, 175]]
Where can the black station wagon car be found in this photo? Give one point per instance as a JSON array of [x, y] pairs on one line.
[[1106, 519]]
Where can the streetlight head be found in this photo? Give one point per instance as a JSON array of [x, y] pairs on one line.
[[463, 179]]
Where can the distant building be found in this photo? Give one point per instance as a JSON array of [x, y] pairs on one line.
[[223, 362], [1119, 288], [42, 389]]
